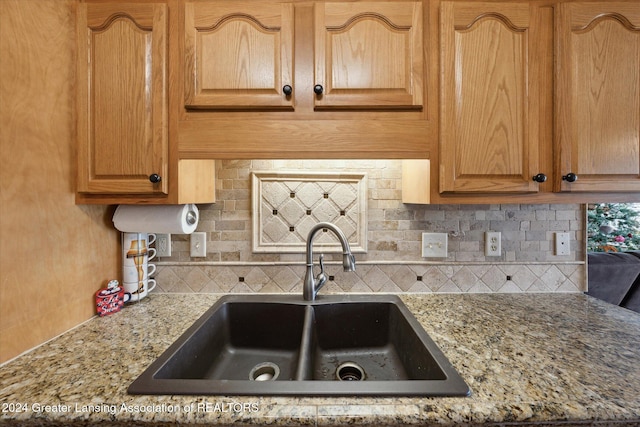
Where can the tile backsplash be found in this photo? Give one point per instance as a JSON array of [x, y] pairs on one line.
[[286, 205], [393, 261]]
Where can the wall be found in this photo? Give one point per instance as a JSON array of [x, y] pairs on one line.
[[393, 262], [54, 255]]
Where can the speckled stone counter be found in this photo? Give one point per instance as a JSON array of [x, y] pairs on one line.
[[542, 359]]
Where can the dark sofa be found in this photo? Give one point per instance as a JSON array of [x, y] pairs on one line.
[[615, 277]]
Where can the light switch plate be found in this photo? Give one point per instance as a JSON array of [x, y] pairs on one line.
[[198, 245], [563, 246], [434, 245]]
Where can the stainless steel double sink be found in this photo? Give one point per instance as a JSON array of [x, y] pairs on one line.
[[352, 345]]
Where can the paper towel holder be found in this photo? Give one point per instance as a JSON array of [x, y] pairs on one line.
[[174, 219]]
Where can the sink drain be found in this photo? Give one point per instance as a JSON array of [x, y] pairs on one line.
[[350, 371], [264, 372]]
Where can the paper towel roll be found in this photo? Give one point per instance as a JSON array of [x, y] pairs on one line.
[[174, 219]]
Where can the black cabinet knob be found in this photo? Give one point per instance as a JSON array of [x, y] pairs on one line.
[[318, 89], [287, 90], [155, 178], [570, 177], [540, 177]]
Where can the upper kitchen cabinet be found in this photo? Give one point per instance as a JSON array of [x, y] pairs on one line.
[[299, 79], [492, 63], [122, 100], [598, 97], [127, 149], [368, 55], [239, 55]]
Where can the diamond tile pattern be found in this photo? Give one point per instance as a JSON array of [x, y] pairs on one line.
[[371, 277], [286, 205]]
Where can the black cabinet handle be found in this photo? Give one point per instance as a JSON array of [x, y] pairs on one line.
[[155, 178], [287, 90], [570, 177], [318, 89], [540, 177]]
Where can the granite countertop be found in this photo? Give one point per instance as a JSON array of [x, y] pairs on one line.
[[546, 359]]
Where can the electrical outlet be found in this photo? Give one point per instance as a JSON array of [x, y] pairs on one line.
[[163, 245], [198, 244], [563, 247], [434, 245], [492, 243]]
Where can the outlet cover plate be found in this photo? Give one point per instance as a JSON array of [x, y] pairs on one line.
[[492, 243], [434, 245], [163, 245]]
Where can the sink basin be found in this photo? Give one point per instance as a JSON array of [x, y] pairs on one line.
[[352, 345], [376, 337], [236, 337]]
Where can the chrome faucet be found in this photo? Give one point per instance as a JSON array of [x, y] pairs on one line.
[[312, 285]]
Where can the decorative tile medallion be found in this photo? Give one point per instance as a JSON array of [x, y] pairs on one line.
[[286, 205]]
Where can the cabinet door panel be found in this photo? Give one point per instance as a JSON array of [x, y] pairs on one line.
[[488, 122], [369, 55], [599, 96], [239, 55], [122, 135]]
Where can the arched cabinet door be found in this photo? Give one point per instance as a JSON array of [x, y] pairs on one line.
[[239, 55], [369, 55], [598, 97], [122, 101], [491, 87]]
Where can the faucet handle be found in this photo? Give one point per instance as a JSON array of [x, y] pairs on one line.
[[321, 278]]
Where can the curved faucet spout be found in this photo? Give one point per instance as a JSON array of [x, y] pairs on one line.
[[312, 285]]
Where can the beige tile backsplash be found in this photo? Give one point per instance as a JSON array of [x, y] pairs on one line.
[[286, 205], [392, 262]]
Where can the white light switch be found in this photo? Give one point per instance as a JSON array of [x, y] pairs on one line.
[[434, 245], [562, 244]]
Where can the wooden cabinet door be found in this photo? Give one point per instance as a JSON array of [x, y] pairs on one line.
[[122, 108], [598, 96], [239, 55], [369, 55], [490, 92]]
